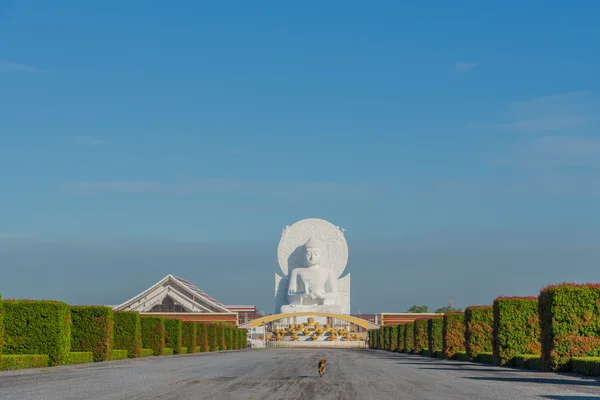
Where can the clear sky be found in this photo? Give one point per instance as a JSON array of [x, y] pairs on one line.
[[457, 143]]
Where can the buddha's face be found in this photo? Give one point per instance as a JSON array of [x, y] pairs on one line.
[[313, 256]]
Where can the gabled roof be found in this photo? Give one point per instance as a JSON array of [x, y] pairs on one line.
[[180, 290]]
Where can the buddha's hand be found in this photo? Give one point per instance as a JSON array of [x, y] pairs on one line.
[[314, 289]]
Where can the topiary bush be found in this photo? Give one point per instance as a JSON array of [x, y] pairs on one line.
[[570, 324], [479, 321], [79, 357], [402, 338], [92, 330], [167, 351], [516, 328], [213, 344], [127, 332], [38, 327], [153, 334], [183, 350], [434, 335], [202, 337], [586, 365], [420, 334], [9, 362], [461, 356], [394, 338], [189, 333], [220, 334], [228, 332], [118, 354], [453, 334], [409, 337], [173, 333]]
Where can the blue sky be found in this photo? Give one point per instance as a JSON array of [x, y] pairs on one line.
[[457, 144]]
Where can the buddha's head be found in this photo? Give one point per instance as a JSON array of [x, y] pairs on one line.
[[314, 252]]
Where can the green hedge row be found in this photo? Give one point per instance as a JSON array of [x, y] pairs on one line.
[[10, 362], [478, 330], [570, 324], [173, 333], [420, 336], [48, 333], [92, 330], [516, 328], [453, 334], [559, 330], [434, 335]]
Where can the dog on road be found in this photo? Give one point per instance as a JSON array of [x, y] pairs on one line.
[[322, 367]]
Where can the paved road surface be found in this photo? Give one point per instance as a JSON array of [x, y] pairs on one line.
[[291, 374]]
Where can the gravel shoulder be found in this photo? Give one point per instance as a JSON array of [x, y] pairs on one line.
[[291, 374]]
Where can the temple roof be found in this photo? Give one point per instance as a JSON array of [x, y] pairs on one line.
[[183, 293]]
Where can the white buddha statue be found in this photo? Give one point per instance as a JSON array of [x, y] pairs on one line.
[[313, 288]]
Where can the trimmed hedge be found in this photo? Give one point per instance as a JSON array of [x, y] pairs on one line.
[[421, 337], [527, 361], [401, 338], [479, 321], [146, 353], [516, 328], [462, 356], [570, 324], [189, 332], [92, 330], [394, 338], [153, 334], [380, 339], [183, 350], [38, 327], [202, 338], [79, 357], [168, 351], [386, 337], [434, 335], [228, 333], [220, 334], [485, 358], [243, 338], [9, 362], [118, 354], [213, 344], [127, 332], [173, 333], [586, 365], [409, 337], [453, 334], [1, 326]]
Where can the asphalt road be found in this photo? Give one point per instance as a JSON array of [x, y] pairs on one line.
[[291, 374]]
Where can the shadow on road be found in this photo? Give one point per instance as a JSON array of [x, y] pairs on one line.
[[555, 397], [549, 381], [482, 369]]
